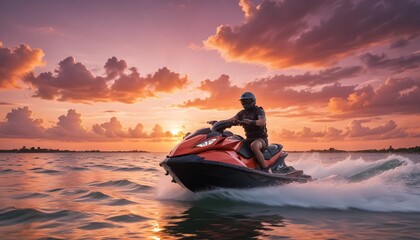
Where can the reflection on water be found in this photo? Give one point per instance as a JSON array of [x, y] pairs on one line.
[[199, 222], [116, 196]]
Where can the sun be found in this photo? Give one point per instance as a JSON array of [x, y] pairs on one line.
[[175, 131]]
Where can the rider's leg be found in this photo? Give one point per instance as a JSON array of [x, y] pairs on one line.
[[256, 147]]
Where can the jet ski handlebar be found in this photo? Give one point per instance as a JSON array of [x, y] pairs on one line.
[[219, 126]]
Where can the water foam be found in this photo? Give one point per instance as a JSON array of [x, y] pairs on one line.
[[391, 184]]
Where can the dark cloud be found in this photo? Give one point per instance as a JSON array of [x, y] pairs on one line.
[[114, 67], [400, 43], [16, 62], [327, 76], [73, 82], [6, 103], [316, 33], [400, 64]]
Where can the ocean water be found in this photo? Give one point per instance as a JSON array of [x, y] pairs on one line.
[[127, 196]]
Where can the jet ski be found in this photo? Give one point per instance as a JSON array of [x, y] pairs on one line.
[[213, 158]]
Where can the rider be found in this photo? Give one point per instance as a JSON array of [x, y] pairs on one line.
[[253, 119]]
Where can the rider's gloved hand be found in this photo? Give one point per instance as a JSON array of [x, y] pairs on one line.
[[235, 122]]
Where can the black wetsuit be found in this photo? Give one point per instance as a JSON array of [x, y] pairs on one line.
[[253, 131]]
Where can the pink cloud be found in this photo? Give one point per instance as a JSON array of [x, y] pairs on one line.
[[396, 95], [20, 123], [307, 134], [291, 33], [355, 130], [270, 92], [138, 132], [69, 126], [16, 62], [114, 129], [111, 129], [73, 82], [158, 132]]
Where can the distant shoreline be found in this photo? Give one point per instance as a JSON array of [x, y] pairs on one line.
[[330, 150], [383, 150], [47, 150]]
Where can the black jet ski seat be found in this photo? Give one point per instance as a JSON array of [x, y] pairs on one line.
[[271, 150]]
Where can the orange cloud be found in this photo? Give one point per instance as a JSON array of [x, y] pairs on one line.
[[138, 132], [16, 62], [291, 33], [299, 95], [222, 95], [73, 82], [272, 92]]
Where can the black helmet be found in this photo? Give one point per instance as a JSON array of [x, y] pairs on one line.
[[248, 100]]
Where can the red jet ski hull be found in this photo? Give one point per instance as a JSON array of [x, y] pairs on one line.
[[198, 174]]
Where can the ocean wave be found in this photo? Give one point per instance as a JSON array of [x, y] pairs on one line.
[[128, 218], [129, 169], [123, 183], [116, 183], [76, 168], [55, 190], [45, 171], [70, 192], [93, 196], [31, 195], [120, 202], [102, 166], [9, 171], [376, 169], [10, 216], [98, 225]]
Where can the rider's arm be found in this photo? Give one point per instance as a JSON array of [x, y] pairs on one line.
[[261, 117], [234, 118], [261, 121]]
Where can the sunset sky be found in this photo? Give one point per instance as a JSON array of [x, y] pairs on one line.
[[128, 74]]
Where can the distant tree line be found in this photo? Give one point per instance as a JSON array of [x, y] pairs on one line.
[[383, 150], [24, 149], [392, 150]]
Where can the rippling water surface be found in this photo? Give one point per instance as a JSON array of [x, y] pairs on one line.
[[127, 196]]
